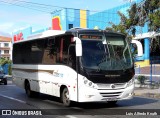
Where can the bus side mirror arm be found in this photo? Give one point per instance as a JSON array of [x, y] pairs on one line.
[[139, 47], [78, 48]]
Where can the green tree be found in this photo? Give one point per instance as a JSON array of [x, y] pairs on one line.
[[4, 61]]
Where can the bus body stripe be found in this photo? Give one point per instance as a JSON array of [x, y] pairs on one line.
[[33, 70]]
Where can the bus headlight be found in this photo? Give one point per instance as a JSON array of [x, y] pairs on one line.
[[85, 81], [89, 83], [131, 82]]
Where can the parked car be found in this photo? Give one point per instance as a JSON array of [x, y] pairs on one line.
[[3, 78]]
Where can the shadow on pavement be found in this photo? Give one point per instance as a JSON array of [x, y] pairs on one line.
[[136, 101]]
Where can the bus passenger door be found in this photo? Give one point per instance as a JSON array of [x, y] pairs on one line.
[[72, 56]]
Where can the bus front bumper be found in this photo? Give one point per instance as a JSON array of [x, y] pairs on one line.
[[87, 94]]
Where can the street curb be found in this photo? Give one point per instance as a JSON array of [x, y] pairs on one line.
[[148, 94]]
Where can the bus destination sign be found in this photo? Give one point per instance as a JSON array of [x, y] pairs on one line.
[[90, 36]]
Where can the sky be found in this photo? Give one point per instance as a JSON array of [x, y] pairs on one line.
[[13, 18]]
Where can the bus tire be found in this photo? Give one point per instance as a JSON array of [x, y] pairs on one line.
[[28, 89], [65, 97]]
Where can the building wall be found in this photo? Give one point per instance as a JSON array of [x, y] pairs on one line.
[[69, 18], [101, 20], [5, 47], [62, 19], [6, 51], [24, 33]]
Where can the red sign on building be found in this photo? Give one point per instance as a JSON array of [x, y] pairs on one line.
[[18, 37]]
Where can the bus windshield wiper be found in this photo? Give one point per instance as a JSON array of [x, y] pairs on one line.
[[118, 57]]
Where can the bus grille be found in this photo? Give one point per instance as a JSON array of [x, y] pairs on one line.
[[110, 94], [109, 87]]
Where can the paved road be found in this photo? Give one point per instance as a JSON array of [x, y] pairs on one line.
[[12, 97]]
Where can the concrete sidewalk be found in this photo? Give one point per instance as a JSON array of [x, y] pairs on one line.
[[147, 92]]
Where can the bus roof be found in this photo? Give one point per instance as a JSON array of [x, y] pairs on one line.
[[85, 30], [73, 31], [48, 33]]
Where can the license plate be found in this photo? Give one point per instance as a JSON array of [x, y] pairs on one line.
[[111, 99]]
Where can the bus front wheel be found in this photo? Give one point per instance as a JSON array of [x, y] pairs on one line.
[[28, 89], [65, 97]]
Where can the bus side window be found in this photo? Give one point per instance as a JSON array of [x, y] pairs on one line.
[[26, 53], [17, 54], [37, 51], [57, 45], [49, 56], [63, 50], [60, 49]]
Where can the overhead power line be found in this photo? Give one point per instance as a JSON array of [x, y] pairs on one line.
[[28, 6], [49, 8], [38, 6]]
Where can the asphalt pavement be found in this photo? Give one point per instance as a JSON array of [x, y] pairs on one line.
[[13, 97]]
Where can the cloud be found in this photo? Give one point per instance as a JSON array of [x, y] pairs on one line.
[[11, 21], [126, 0], [5, 34], [41, 19], [6, 26], [15, 1], [15, 29], [9, 27]]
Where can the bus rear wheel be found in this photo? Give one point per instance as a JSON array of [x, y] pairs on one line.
[[65, 97], [28, 90]]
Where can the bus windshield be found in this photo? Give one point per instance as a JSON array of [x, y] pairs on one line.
[[107, 53]]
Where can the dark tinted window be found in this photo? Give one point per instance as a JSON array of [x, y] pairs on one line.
[[17, 56], [45, 51]]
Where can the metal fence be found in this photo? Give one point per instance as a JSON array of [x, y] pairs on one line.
[[152, 72]]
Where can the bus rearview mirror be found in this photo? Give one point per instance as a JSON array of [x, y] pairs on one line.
[[139, 47], [78, 49]]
